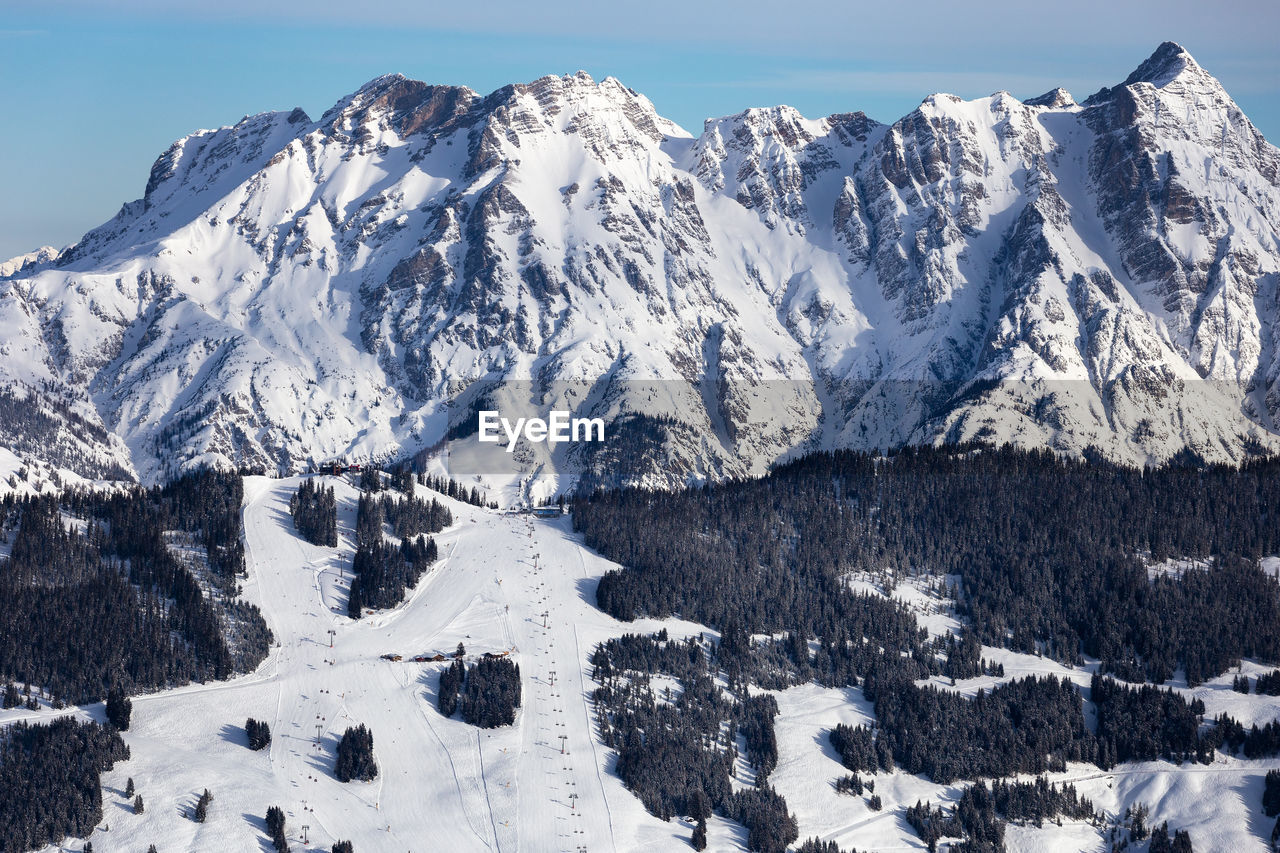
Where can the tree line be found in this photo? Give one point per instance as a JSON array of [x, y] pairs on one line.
[[1053, 554], [980, 815]]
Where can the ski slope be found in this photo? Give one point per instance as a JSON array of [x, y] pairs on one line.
[[544, 783], [443, 784]]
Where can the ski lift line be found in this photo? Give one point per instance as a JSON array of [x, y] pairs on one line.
[[604, 794], [484, 779]]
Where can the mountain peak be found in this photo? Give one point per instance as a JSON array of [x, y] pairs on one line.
[[1054, 99], [1169, 60], [412, 104], [1169, 63], [381, 82]]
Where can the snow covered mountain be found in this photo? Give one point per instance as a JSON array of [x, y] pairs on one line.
[[1047, 272]]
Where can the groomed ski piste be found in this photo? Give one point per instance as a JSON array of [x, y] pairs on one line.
[[545, 783]]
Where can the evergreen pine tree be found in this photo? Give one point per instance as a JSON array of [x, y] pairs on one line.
[[699, 840], [202, 806], [119, 709], [1160, 842], [258, 732], [275, 829], [1271, 793], [354, 608]]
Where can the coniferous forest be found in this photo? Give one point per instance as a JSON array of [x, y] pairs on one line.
[[383, 571], [355, 756], [979, 816], [488, 692], [128, 590], [49, 780], [1053, 554], [315, 513], [491, 693], [105, 594], [1058, 557], [1150, 571], [676, 747]]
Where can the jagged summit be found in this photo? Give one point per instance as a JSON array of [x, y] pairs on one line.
[[1170, 66], [410, 105], [1053, 99], [1051, 274], [1169, 60]]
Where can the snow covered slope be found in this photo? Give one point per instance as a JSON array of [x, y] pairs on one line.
[[1047, 272], [445, 785]]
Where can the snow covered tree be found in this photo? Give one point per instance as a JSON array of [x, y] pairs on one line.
[[138, 806], [370, 479], [451, 679], [491, 693], [50, 780]]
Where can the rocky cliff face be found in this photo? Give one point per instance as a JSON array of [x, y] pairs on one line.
[[1045, 272]]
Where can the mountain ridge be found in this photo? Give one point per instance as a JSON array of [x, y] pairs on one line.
[[1044, 272]]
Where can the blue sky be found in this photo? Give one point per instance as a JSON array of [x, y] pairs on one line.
[[92, 92]]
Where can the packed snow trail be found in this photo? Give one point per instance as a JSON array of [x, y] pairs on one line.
[[541, 784]]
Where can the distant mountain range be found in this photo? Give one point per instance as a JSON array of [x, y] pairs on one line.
[[1048, 272]]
